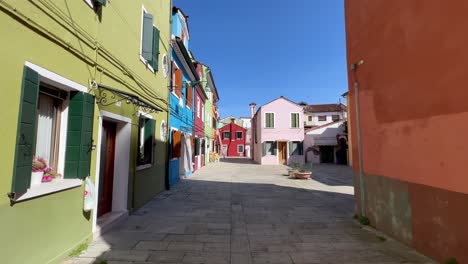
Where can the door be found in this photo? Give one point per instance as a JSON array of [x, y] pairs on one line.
[[283, 153], [106, 173]]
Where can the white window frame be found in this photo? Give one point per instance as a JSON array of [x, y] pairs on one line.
[[148, 116], [274, 120], [90, 3], [242, 134], [226, 137], [203, 112], [198, 106], [62, 83], [290, 120], [240, 145], [145, 62]]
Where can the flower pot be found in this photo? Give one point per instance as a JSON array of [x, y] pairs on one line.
[[292, 173], [302, 175], [36, 177]]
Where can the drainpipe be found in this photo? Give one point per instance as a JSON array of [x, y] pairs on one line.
[[169, 83], [358, 122]]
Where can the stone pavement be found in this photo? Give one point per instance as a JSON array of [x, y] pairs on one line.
[[237, 212]]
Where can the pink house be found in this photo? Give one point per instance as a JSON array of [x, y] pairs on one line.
[[278, 133]]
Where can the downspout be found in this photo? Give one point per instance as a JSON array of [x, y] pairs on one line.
[[169, 84], [361, 170]]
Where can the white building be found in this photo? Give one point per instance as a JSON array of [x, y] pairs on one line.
[[322, 114]]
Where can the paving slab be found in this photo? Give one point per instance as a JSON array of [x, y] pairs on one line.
[[238, 212]]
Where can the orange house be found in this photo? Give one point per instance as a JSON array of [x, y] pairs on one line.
[[407, 68]]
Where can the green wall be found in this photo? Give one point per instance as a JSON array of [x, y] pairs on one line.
[[68, 38]]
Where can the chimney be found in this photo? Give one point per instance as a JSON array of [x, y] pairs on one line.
[[252, 109], [232, 120]]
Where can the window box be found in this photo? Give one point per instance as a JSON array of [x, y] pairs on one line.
[[49, 188]]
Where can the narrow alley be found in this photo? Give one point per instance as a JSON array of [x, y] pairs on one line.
[[237, 212]]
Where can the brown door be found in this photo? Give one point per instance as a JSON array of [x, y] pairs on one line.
[[106, 175], [283, 153]]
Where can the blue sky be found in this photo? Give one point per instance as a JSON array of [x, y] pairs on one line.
[[259, 50]]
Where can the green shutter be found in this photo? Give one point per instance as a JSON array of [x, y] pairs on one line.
[[275, 148], [147, 41], [79, 135], [290, 145], [155, 57], [263, 149], [25, 139], [301, 148], [148, 129], [101, 2]]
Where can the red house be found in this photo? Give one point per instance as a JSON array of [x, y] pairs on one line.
[[199, 123], [232, 140]]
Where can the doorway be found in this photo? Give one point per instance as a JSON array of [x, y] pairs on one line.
[[283, 153], [106, 174], [327, 154]]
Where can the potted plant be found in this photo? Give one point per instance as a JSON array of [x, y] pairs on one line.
[[51, 175], [39, 165], [302, 174], [294, 168]]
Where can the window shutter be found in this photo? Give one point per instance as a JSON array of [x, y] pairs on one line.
[[197, 146], [79, 135], [149, 139], [189, 96], [275, 146], [25, 139], [178, 82], [155, 57], [264, 149], [101, 2], [290, 145], [176, 139], [301, 148], [147, 40]]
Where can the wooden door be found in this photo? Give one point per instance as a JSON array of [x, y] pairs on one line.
[[106, 174], [283, 153]]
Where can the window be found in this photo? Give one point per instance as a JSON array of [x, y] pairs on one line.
[[240, 148], [269, 148], [294, 120], [197, 144], [310, 118], [177, 80], [146, 128], [198, 107], [239, 135], [322, 118], [203, 113], [295, 148], [188, 96], [269, 120], [226, 135], [49, 109], [335, 118], [149, 42], [42, 154]]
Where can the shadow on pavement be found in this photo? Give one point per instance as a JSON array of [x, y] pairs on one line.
[[202, 221]]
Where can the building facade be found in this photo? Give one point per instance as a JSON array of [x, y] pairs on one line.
[[322, 114], [407, 94], [232, 140], [79, 111], [278, 133], [181, 120], [199, 124]]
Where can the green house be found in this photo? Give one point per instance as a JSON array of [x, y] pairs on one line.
[[85, 94]]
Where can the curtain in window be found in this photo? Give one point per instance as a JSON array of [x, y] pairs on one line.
[[45, 128]]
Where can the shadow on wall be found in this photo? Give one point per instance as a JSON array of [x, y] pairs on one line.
[[194, 221]]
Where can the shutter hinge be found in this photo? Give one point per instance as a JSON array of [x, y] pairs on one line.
[[12, 195]]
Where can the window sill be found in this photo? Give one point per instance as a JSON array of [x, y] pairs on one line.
[[50, 187], [144, 167], [145, 62]]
